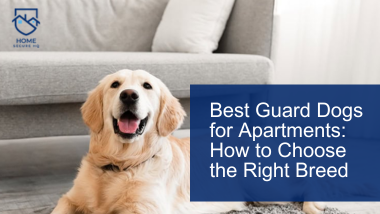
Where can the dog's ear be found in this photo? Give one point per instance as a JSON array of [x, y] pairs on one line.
[[92, 110], [171, 114]]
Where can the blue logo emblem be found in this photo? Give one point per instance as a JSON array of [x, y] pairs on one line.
[[26, 20]]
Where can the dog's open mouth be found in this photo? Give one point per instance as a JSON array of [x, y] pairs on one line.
[[128, 125]]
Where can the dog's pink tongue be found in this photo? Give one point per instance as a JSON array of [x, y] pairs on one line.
[[128, 126]]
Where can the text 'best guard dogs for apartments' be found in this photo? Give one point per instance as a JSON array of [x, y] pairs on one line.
[[134, 165]]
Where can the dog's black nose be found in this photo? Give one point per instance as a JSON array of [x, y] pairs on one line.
[[129, 96]]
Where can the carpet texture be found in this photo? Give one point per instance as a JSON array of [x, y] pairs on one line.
[[293, 208]]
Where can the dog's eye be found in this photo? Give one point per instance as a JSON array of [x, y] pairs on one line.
[[115, 84], [147, 85]]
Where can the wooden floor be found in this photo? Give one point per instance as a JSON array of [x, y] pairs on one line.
[[32, 194], [34, 173]]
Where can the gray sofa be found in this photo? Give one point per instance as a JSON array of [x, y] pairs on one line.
[[42, 89]]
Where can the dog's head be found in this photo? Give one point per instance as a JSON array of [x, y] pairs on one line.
[[129, 104]]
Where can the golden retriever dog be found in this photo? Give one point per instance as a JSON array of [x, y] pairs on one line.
[[134, 165]]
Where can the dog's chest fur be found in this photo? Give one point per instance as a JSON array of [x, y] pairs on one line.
[[156, 184]]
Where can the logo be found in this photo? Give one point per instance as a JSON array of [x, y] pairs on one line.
[[26, 20]]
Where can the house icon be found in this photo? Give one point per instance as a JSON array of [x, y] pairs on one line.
[[34, 21], [19, 19], [22, 24]]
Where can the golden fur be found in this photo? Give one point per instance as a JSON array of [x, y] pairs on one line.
[[150, 185]]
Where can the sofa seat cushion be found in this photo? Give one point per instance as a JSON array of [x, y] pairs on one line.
[[66, 77]]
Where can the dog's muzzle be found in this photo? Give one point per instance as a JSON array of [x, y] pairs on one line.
[[128, 125]]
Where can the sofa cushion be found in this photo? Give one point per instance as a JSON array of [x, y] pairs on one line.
[[74, 25], [192, 26], [66, 77]]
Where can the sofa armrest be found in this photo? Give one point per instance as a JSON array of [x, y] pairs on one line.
[[249, 28]]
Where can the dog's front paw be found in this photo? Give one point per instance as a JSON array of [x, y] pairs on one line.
[[313, 207]]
